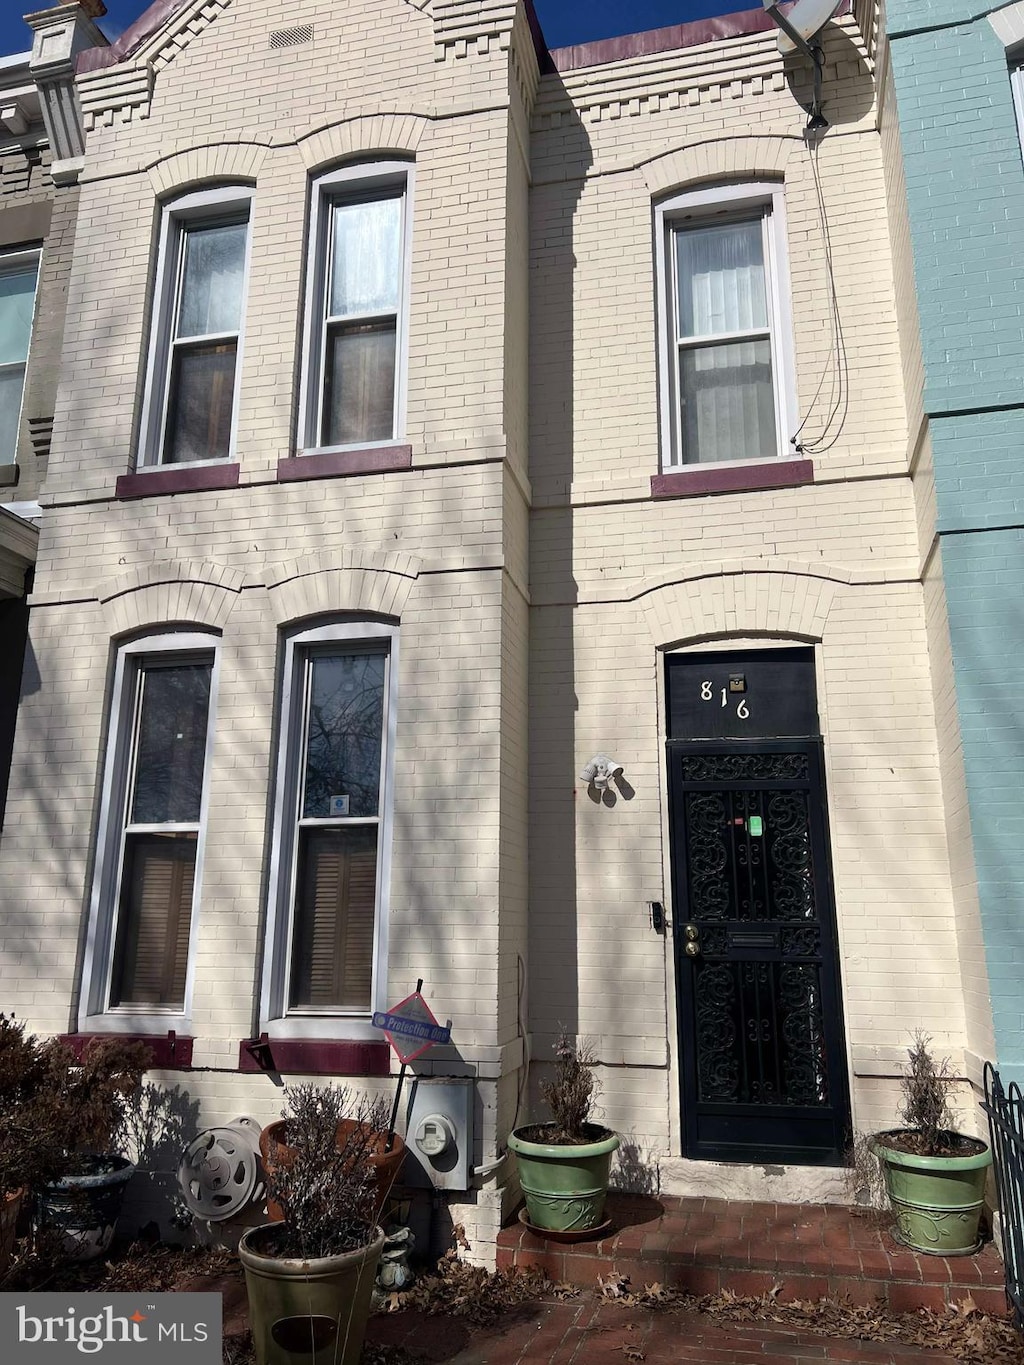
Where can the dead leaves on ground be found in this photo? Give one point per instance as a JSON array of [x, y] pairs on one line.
[[963, 1331]]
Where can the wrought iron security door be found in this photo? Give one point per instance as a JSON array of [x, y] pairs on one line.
[[763, 1073]]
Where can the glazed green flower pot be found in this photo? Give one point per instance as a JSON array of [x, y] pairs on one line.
[[565, 1187], [302, 1312], [937, 1200]]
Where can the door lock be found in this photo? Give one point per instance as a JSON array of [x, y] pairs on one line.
[[692, 932]]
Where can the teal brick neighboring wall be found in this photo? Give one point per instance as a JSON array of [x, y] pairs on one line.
[[965, 198]]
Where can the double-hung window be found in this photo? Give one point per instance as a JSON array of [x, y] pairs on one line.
[[356, 304], [726, 373], [329, 868], [150, 845], [18, 274], [191, 394]]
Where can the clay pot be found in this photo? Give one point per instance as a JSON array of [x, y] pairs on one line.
[[276, 1151]]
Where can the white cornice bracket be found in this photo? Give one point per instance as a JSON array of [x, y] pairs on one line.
[[61, 34]]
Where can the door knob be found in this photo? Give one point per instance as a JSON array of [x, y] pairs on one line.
[[693, 949]]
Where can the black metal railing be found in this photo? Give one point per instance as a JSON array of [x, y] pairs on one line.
[[1005, 1110]]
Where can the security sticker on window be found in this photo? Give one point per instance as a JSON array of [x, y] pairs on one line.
[[339, 805], [56, 1329]]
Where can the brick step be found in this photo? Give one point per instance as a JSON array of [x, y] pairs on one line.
[[799, 1251]]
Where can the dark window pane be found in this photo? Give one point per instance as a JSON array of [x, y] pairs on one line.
[[155, 915], [200, 402], [171, 745], [211, 290], [333, 953], [727, 402], [359, 384], [346, 715]]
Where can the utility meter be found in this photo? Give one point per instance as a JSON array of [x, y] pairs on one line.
[[434, 1135], [439, 1132]]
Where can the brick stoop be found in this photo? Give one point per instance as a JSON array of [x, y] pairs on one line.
[[703, 1246]]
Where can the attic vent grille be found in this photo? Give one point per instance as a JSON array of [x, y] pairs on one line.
[[291, 37]]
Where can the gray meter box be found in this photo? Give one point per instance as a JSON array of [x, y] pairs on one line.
[[439, 1133]]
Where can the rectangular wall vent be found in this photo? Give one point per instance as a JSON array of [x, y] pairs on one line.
[[291, 37]]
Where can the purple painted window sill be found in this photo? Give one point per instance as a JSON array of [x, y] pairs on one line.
[[171, 1051], [168, 479], [683, 483], [314, 1056], [333, 464]]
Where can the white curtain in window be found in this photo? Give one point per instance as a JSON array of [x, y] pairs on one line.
[[726, 394]]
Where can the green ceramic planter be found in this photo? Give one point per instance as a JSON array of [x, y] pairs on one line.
[[937, 1200], [565, 1187], [303, 1312]]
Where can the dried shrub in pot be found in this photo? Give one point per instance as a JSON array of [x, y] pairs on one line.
[[327, 1188], [925, 1086], [570, 1095]]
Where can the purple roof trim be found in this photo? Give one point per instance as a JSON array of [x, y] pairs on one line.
[[95, 58], [666, 39]]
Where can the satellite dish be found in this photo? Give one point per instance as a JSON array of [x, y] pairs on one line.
[[802, 24]]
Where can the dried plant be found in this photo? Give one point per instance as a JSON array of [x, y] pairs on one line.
[[54, 1109], [326, 1187], [925, 1087], [571, 1092]]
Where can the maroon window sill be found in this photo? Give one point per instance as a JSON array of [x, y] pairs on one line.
[[684, 483], [195, 479], [171, 1051], [334, 464], [314, 1056]]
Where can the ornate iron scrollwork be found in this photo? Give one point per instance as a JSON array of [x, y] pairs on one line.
[[717, 1054], [803, 1033], [745, 767]]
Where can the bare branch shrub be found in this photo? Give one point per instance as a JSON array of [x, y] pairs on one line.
[[571, 1092], [925, 1086], [327, 1186]]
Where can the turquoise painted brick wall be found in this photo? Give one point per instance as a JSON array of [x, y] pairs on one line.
[[965, 198]]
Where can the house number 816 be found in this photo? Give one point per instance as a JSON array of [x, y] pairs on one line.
[[707, 694]]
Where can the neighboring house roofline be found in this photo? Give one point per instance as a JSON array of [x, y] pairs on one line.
[[157, 14], [655, 40]]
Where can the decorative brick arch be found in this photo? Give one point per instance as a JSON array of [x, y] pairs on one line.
[[200, 593], [361, 136], [736, 158], [737, 599], [329, 584], [225, 161]]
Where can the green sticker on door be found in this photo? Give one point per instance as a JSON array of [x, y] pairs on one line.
[[755, 826]]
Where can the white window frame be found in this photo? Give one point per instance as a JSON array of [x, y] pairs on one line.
[[13, 263], [1017, 89], [349, 180], [225, 201], [702, 207], [275, 1017], [98, 963]]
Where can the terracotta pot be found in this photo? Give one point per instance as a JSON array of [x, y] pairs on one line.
[[10, 1206], [276, 1151]]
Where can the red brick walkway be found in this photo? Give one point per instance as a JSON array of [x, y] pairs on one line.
[[801, 1251], [589, 1332]]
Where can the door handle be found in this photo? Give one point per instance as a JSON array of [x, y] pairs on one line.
[[692, 949]]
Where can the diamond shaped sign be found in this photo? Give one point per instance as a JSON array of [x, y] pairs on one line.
[[411, 1028]]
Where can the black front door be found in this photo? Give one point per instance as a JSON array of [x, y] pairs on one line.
[[763, 1072]]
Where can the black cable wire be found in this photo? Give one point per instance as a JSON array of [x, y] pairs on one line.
[[836, 366]]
